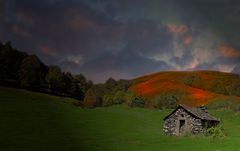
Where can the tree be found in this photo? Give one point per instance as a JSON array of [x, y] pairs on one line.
[[107, 100], [133, 100], [122, 85], [32, 72], [67, 80], [83, 83], [137, 102], [110, 84], [166, 100], [10, 62], [91, 100], [114, 98], [55, 79], [75, 90], [119, 97]]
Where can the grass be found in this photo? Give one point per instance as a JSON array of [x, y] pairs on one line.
[[36, 122]]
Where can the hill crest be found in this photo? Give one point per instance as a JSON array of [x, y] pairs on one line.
[[189, 87]]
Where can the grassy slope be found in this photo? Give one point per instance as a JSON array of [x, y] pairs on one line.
[[199, 92], [36, 122]]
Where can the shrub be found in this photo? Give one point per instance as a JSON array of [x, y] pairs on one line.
[[107, 100], [113, 98], [132, 100], [216, 132], [129, 97], [137, 102]]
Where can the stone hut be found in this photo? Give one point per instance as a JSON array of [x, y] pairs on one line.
[[188, 120]]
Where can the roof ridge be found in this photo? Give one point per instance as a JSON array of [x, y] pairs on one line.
[[199, 112]]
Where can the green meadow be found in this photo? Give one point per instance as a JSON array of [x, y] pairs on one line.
[[38, 122]]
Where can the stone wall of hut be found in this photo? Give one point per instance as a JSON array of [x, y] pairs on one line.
[[171, 124]]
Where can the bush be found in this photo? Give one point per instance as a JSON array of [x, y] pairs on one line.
[[132, 100], [216, 132], [166, 100], [137, 102], [114, 98]]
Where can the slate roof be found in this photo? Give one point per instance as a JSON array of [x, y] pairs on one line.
[[198, 112]]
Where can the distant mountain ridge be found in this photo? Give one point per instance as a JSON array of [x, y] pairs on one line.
[[193, 88]]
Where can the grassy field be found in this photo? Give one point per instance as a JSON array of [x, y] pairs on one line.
[[38, 122]]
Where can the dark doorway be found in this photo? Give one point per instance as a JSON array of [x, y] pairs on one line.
[[181, 126], [182, 123]]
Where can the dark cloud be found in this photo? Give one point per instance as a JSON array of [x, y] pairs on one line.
[[127, 64], [122, 38]]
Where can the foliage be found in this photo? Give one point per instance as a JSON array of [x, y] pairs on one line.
[[82, 82], [112, 91], [54, 79], [19, 69], [10, 61], [110, 84], [91, 100], [129, 96], [75, 89], [216, 132], [132, 100], [32, 73], [166, 100], [122, 85], [108, 100], [137, 102], [111, 99]]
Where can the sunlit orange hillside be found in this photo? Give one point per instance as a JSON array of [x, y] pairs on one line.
[[192, 88]]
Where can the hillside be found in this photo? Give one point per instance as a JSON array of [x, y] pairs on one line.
[[35, 122], [192, 88]]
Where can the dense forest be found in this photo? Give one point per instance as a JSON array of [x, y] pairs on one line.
[[21, 70]]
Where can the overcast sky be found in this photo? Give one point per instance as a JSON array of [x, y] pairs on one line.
[[125, 38]]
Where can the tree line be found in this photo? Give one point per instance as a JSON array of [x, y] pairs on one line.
[[21, 70]]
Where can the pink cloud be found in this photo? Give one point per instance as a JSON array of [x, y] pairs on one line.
[[228, 51], [79, 22], [48, 51], [177, 29], [187, 40]]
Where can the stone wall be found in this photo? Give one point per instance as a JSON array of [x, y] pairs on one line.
[[192, 125]]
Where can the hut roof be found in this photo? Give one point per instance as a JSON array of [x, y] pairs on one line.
[[198, 112]]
